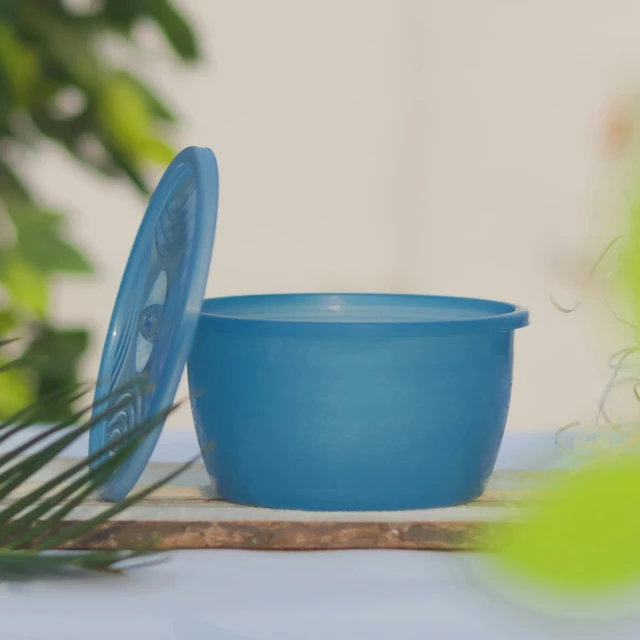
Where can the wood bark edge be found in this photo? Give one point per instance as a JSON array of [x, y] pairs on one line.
[[274, 535]]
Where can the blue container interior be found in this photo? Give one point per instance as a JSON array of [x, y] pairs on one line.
[[436, 315]]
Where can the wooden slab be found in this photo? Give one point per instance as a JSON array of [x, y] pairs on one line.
[[187, 515]]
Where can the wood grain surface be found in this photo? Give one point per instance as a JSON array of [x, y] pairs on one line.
[[187, 515]]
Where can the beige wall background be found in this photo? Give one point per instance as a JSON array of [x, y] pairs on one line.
[[423, 146]]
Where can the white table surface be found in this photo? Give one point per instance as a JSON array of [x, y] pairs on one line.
[[332, 595]]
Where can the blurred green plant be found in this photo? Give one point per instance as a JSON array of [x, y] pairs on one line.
[[55, 84], [580, 543]]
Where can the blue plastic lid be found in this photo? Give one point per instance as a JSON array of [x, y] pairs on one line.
[[156, 312]]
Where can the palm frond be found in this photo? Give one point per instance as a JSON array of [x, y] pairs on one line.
[[81, 528], [33, 414], [26, 565], [33, 523], [74, 493], [13, 476]]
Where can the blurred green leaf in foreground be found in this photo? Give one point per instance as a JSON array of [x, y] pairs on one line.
[[581, 543], [583, 539], [56, 85]]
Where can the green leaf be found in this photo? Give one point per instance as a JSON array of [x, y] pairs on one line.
[[8, 321], [27, 285], [53, 254], [175, 28], [20, 64], [68, 47], [6, 101], [38, 237], [128, 166], [126, 116], [11, 187], [156, 151], [12, 364], [53, 356], [43, 248], [156, 106], [128, 119], [25, 214], [25, 416], [123, 14], [123, 112], [65, 130], [583, 537], [40, 412], [8, 10], [16, 391], [73, 135], [55, 351]]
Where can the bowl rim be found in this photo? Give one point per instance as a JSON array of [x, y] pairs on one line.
[[507, 317]]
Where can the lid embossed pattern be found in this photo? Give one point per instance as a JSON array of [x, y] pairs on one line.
[[157, 308], [152, 310]]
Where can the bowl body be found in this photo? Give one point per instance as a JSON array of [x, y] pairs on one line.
[[354, 401]]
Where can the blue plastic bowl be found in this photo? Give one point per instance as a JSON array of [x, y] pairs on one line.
[[351, 402]]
